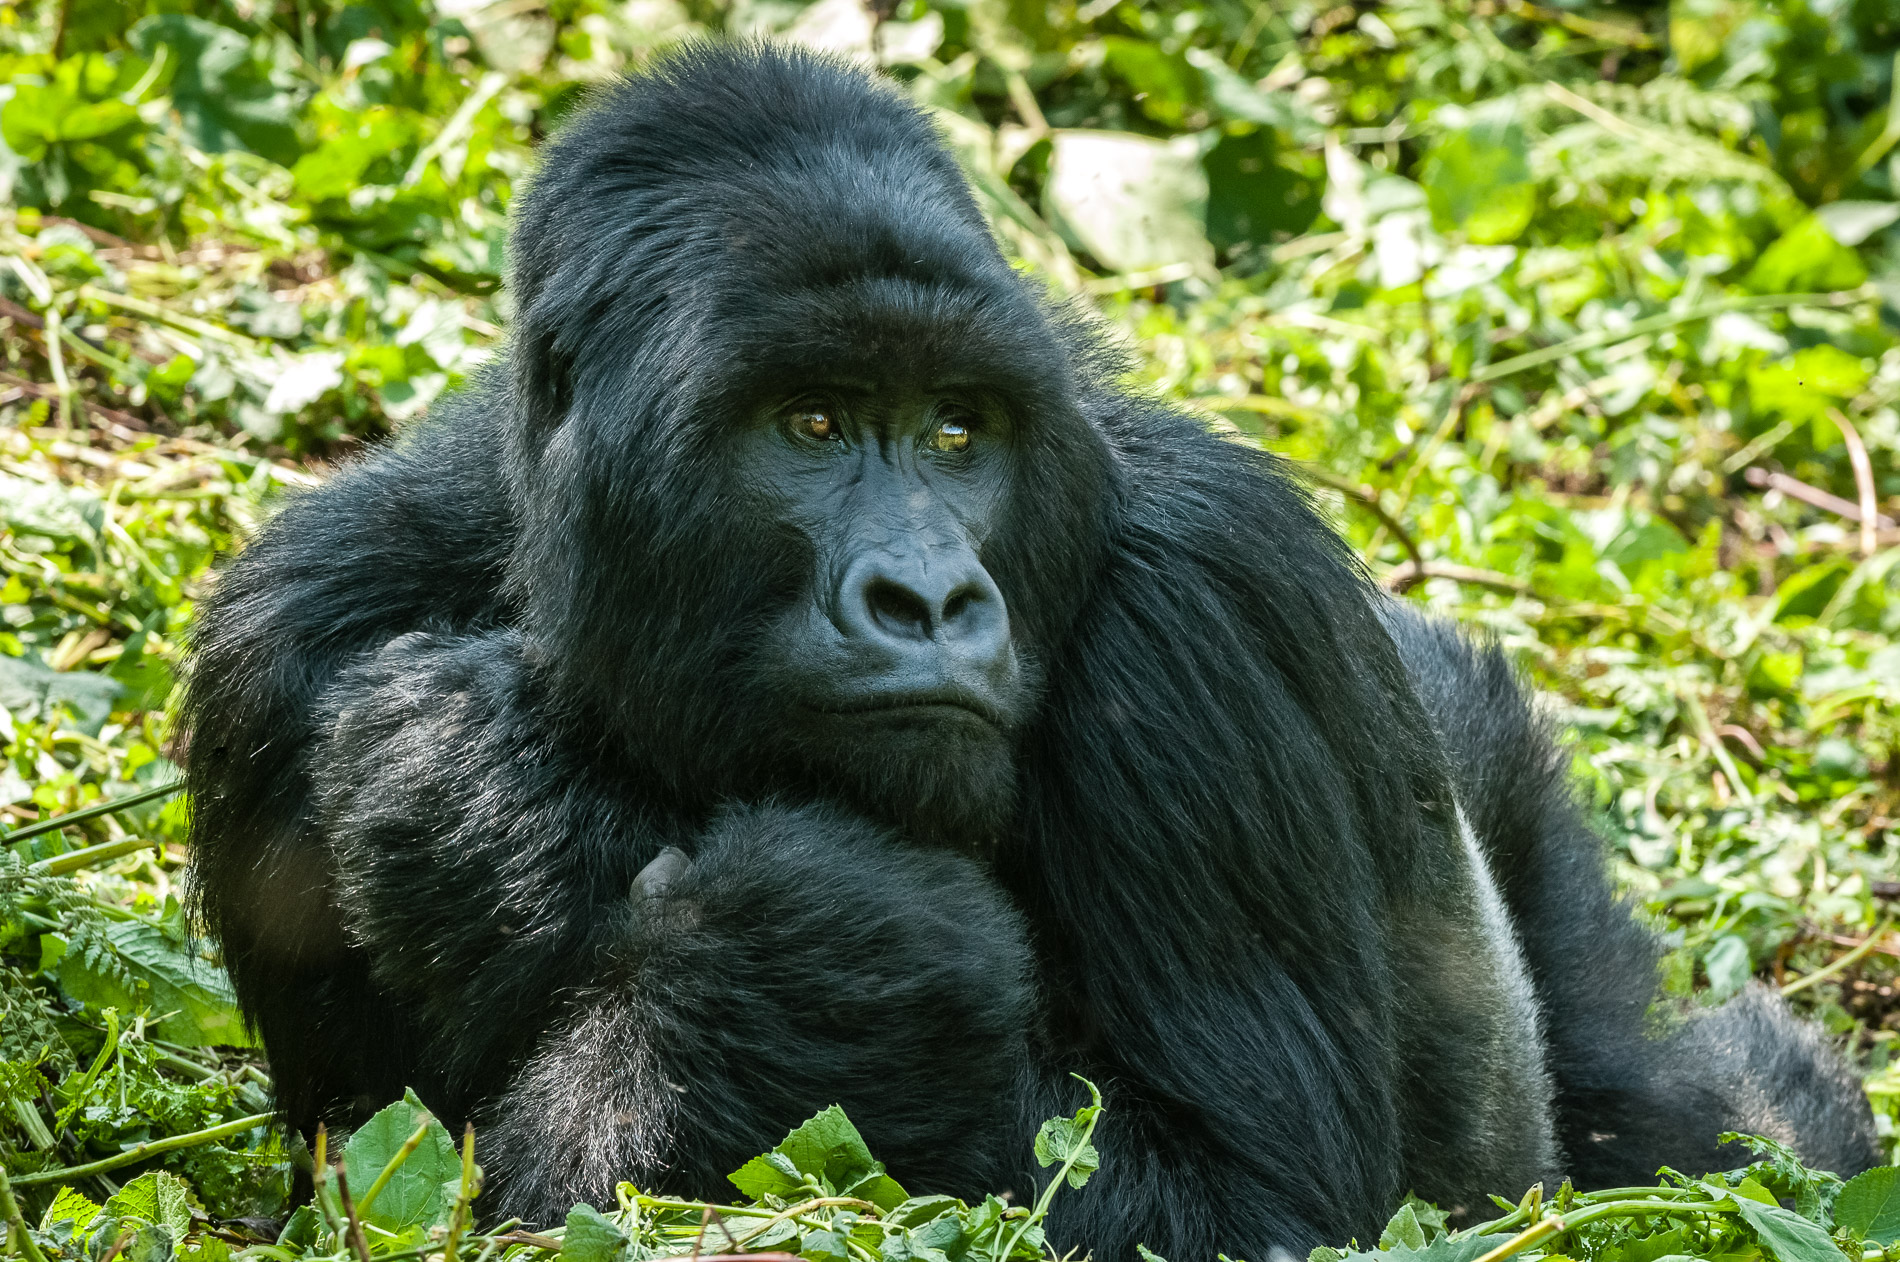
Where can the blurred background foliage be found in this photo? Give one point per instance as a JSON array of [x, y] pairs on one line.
[[1581, 316]]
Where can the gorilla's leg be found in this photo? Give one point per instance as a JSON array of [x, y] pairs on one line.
[[1631, 1095]]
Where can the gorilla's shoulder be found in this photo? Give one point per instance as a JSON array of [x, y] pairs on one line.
[[1214, 502]]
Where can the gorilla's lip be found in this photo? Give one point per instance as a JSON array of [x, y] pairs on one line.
[[962, 700]]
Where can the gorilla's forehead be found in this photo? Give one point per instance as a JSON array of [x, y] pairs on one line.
[[884, 330]]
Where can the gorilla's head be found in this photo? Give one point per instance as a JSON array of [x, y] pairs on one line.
[[795, 451]]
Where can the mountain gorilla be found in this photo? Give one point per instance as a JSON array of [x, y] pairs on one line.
[[802, 674]]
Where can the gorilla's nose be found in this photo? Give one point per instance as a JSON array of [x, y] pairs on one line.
[[925, 605]]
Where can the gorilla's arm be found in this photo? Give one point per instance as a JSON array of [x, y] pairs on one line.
[[803, 959], [414, 535], [1226, 824]]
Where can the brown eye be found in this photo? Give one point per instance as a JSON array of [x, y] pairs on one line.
[[951, 435], [817, 425]]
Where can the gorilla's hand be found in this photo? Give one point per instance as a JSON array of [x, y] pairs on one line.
[[668, 867], [663, 1018], [801, 959]]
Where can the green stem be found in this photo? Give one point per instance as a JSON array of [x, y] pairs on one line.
[[1049, 1193], [1853, 957], [91, 812], [80, 1093], [402, 1154], [1657, 323], [104, 852], [464, 1193], [16, 1221], [141, 1151]]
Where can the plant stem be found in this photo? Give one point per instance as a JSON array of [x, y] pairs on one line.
[[1657, 323], [1049, 1193], [1852, 958], [802, 1207], [402, 1154], [141, 1151], [16, 1222], [104, 852], [353, 1225], [45, 866], [458, 1217]]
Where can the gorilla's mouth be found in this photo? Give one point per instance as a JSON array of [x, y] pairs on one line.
[[934, 706]]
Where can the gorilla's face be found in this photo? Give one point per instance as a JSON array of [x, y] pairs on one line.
[[893, 666]]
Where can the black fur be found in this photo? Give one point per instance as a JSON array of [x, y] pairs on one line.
[[1203, 847]]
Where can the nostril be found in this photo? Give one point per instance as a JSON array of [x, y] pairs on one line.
[[898, 609], [959, 603]]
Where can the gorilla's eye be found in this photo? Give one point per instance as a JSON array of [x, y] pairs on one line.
[[817, 424], [951, 434]]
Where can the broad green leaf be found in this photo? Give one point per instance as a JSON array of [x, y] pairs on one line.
[[413, 1200], [1403, 1230], [1164, 85], [824, 1246], [1131, 201], [827, 1150], [1445, 1249], [914, 1213], [1243, 100], [1807, 383], [1807, 259], [300, 1229], [1869, 1205], [1786, 1236], [1252, 194], [1062, 1138], [69, 1206], [155, 1197], [146, 676], [1728, 965], [147, 971], [63, 513], [1477, 175], [221, 95], [591, 1237]]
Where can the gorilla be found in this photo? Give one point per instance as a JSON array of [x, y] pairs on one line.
[[801, 672]]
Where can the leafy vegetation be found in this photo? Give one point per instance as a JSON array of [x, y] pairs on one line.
[[1581, 316]]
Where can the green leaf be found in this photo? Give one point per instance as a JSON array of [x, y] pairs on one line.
[[1477, 175], [222, 96], [38, 115], [413, 1200], [69, 1206], [1252, 194], [147, 677], [1728, 965], [1164, 85], [1807, 259], [592, 1237], [828, 1151], [1869, 1205], [1786, 1236], [1131, 201], [824, 1246], [300, 1229], [154, 1197], [915, 1213], [1063, 1138], [30, 690], [1403, 1230], [145, 970]]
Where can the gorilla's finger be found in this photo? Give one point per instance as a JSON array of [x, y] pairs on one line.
[[667, 867]]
